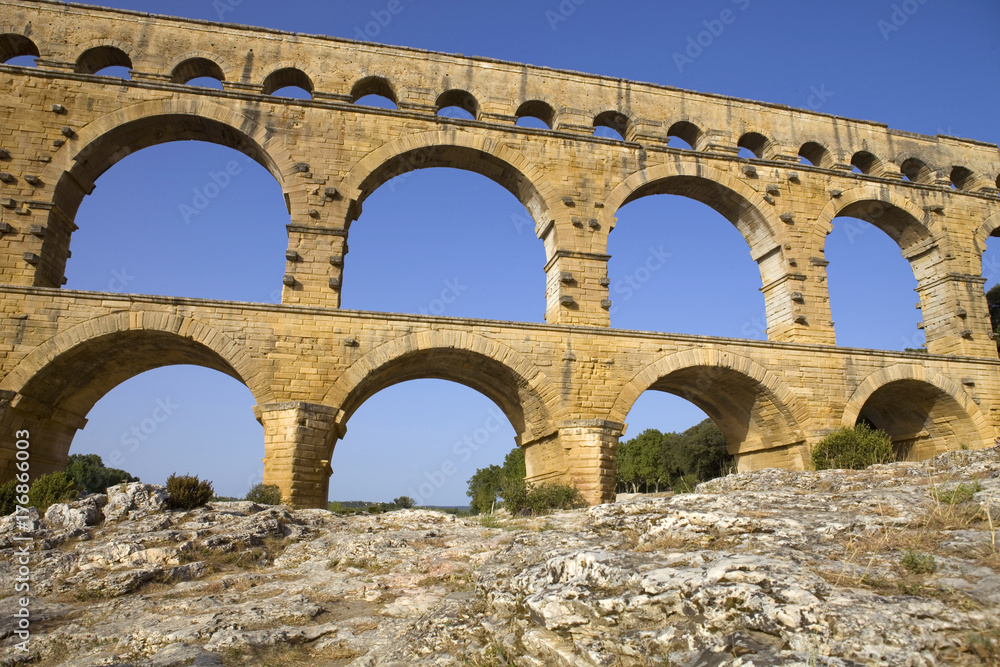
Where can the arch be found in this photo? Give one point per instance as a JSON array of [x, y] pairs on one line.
[[962, 178], [13, 45], [687, 132], [916, 171], [923, 411], [543, 111], [96, 58], [756, 143], [108, 139], [816, 154], [867, 163], [196, 68], [616, 121], [449, 148], [751, 405], [897, 216], [519, 389], [373, 85], [736, 201], [989, 228], [462, 99], [74, 369], [284, 77]]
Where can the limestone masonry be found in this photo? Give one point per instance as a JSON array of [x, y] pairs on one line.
[[566, 385]]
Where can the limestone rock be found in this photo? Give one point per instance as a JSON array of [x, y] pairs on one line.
[[79, 514], [134, 500]]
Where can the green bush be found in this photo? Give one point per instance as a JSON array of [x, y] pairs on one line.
[[48, 490], [853, 448], [90, 474], [919, 563], [404, 502], [962, 493], [264, 494], [187, 492], [543, 498], [8, 497]]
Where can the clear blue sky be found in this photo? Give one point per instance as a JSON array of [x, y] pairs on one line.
[[937, 73]]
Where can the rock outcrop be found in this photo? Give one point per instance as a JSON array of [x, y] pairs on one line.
[[894, 565]]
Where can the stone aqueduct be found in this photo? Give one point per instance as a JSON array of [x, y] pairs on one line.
[[566, 385]]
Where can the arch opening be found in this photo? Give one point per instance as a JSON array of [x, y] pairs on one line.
[[288, 82], [815, 154], [418, 246], [17, 50], [537, 114], [684, 134], [440, 433], [962, 178], [916, 171], [866, 163], [922, 419], [457, 104], [374, 91], [101, 60], [150, 215], [674, 239], [198, 72], [754, 143], [612, 125]]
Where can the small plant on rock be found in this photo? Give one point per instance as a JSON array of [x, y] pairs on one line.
[[853, 448], [264, 494], [919, 563], [187, 492], [48, 490]]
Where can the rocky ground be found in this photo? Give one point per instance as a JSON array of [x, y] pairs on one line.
[[894, 565]]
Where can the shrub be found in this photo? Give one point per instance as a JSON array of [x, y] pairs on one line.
[[8, 497], [264, 494], [853, 448], [919, 563], [544, 498], [48, 490], [404, 502], [187, 492], [962, 493], [90, 474]]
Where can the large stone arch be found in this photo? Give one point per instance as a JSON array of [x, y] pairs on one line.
[[54, 387], [985, 231], [925, 412], [758, 414], [95, 148], [518, 387], [458, 149], [902, 220]]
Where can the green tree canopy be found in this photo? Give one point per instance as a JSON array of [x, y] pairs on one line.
[[90, 475]]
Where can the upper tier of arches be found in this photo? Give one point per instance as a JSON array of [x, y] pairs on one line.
[[918, 160]]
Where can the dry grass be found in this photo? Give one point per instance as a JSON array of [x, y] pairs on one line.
[[284, 655]]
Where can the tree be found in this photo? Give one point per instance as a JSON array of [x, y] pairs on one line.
[[653, 460], [90, 475], [404, 502], [490, 484]]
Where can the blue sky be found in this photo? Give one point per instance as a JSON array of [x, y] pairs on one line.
[[934, 72]]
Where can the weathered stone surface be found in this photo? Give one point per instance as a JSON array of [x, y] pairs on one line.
[[771, 567], [134, 500], [76, 515]]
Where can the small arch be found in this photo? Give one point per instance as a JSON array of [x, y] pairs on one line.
[[815, 154], [615, 121], [866, 163], [962, 178], [98, 58], [686, 132], [916, 170], [374, 91], [756, 143], [457, 103], [287, 77], [536, 110], [197, 68], [16, 46]]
